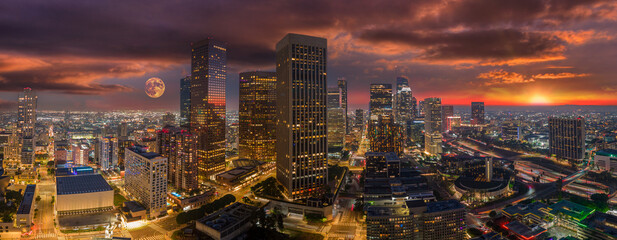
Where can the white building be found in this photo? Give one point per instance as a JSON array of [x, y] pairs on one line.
[[146, 179], [108, 157], [80, 193], [606, 160]]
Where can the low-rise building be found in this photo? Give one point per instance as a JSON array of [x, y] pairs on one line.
[[25, 212], [237, 177], [227, 223], [606, 160], [77, 194]]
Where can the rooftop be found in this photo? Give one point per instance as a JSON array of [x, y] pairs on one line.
[[141, 150], [527, 232], [26, 203], [228, 217], [607, 152], [576, 211], [81, 184], [443, 206], [74, 171]]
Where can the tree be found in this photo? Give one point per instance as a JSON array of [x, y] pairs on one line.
[[492, 214], [38, 198]]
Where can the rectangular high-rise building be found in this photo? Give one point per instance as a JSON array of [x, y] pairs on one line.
[[178, 146], [108, 153], [185, 100], [26, 121], [359, 117], [404, 104], [380, 99], [26, 115], [432, 125], [257, 113], [342, 86], [145, 179], [334, 98], [446, 112], [336, 129], [301, 130], [207, 117], [567, 137], [385, 135], [382, 165], [477, 113]]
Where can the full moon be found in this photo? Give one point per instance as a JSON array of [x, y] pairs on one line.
[[155, 87]]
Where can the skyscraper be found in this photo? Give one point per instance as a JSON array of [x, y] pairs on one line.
[[567, 137], [169, 119], [108, 157], [336, 129], [301, 130], [178, 146], [359, 118], [432, 125], [257, 113], [381, 99], [26, 121], [342, 86], [385, 135], [207, 117], [146, 179], [185, 100], [446, 112], [404, 105], [334, 98], [414, 108], [477, 113], [27, 113]]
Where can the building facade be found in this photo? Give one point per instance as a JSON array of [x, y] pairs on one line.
[[257, 116], [567, 137], [385, 135], [342, 86], [432, 125], [301, 130], [447, 111], [178, 146], [146, 179], [185, 100], [380, 102], [207, 117], [477, 113], [108, 153]]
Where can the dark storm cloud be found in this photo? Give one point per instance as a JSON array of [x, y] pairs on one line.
[[482, 44]]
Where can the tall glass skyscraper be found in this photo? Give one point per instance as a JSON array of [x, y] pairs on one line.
[[185, 100], [301, 142], [342, 86], [403, 101], [257, 113], [26, 122], [477, 113], [432, 125], [207, 117], [380, 99]]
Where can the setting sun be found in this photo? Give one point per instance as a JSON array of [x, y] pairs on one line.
[[539, 100]]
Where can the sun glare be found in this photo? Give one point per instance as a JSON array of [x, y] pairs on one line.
[[539, 100]]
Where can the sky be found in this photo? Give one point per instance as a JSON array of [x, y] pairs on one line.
[[97, 55]]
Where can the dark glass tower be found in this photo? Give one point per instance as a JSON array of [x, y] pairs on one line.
[[381, 99], [301, 131], [257, 112], [567, 138], [477, 113], [207, 117], [185, 100], [342, 86]]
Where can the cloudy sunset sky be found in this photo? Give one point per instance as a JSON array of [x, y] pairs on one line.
[[97, 55]]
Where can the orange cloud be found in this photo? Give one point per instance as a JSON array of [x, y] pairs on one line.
[[503, 77], [582, 37], [560, 75]]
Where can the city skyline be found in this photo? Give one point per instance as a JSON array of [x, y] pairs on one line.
[[541, 48]]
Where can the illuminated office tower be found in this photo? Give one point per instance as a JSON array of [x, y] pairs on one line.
[[336, 128], [385, 135], [444, 220], [12, 152], [421, 109], [27, 113], [108, 155], [382, 165], [207, 117], [380, 99], [26, 121], [477, 113], [80, 153], [145, 179], [432, 125], [404, 103], [122, 131], [510, 130], [453, 121], [414, 108], [185, 100], [342, 86], [446, 112], [567, 137], [178, 146], [359, 118], [301, 130], [257, 113]]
